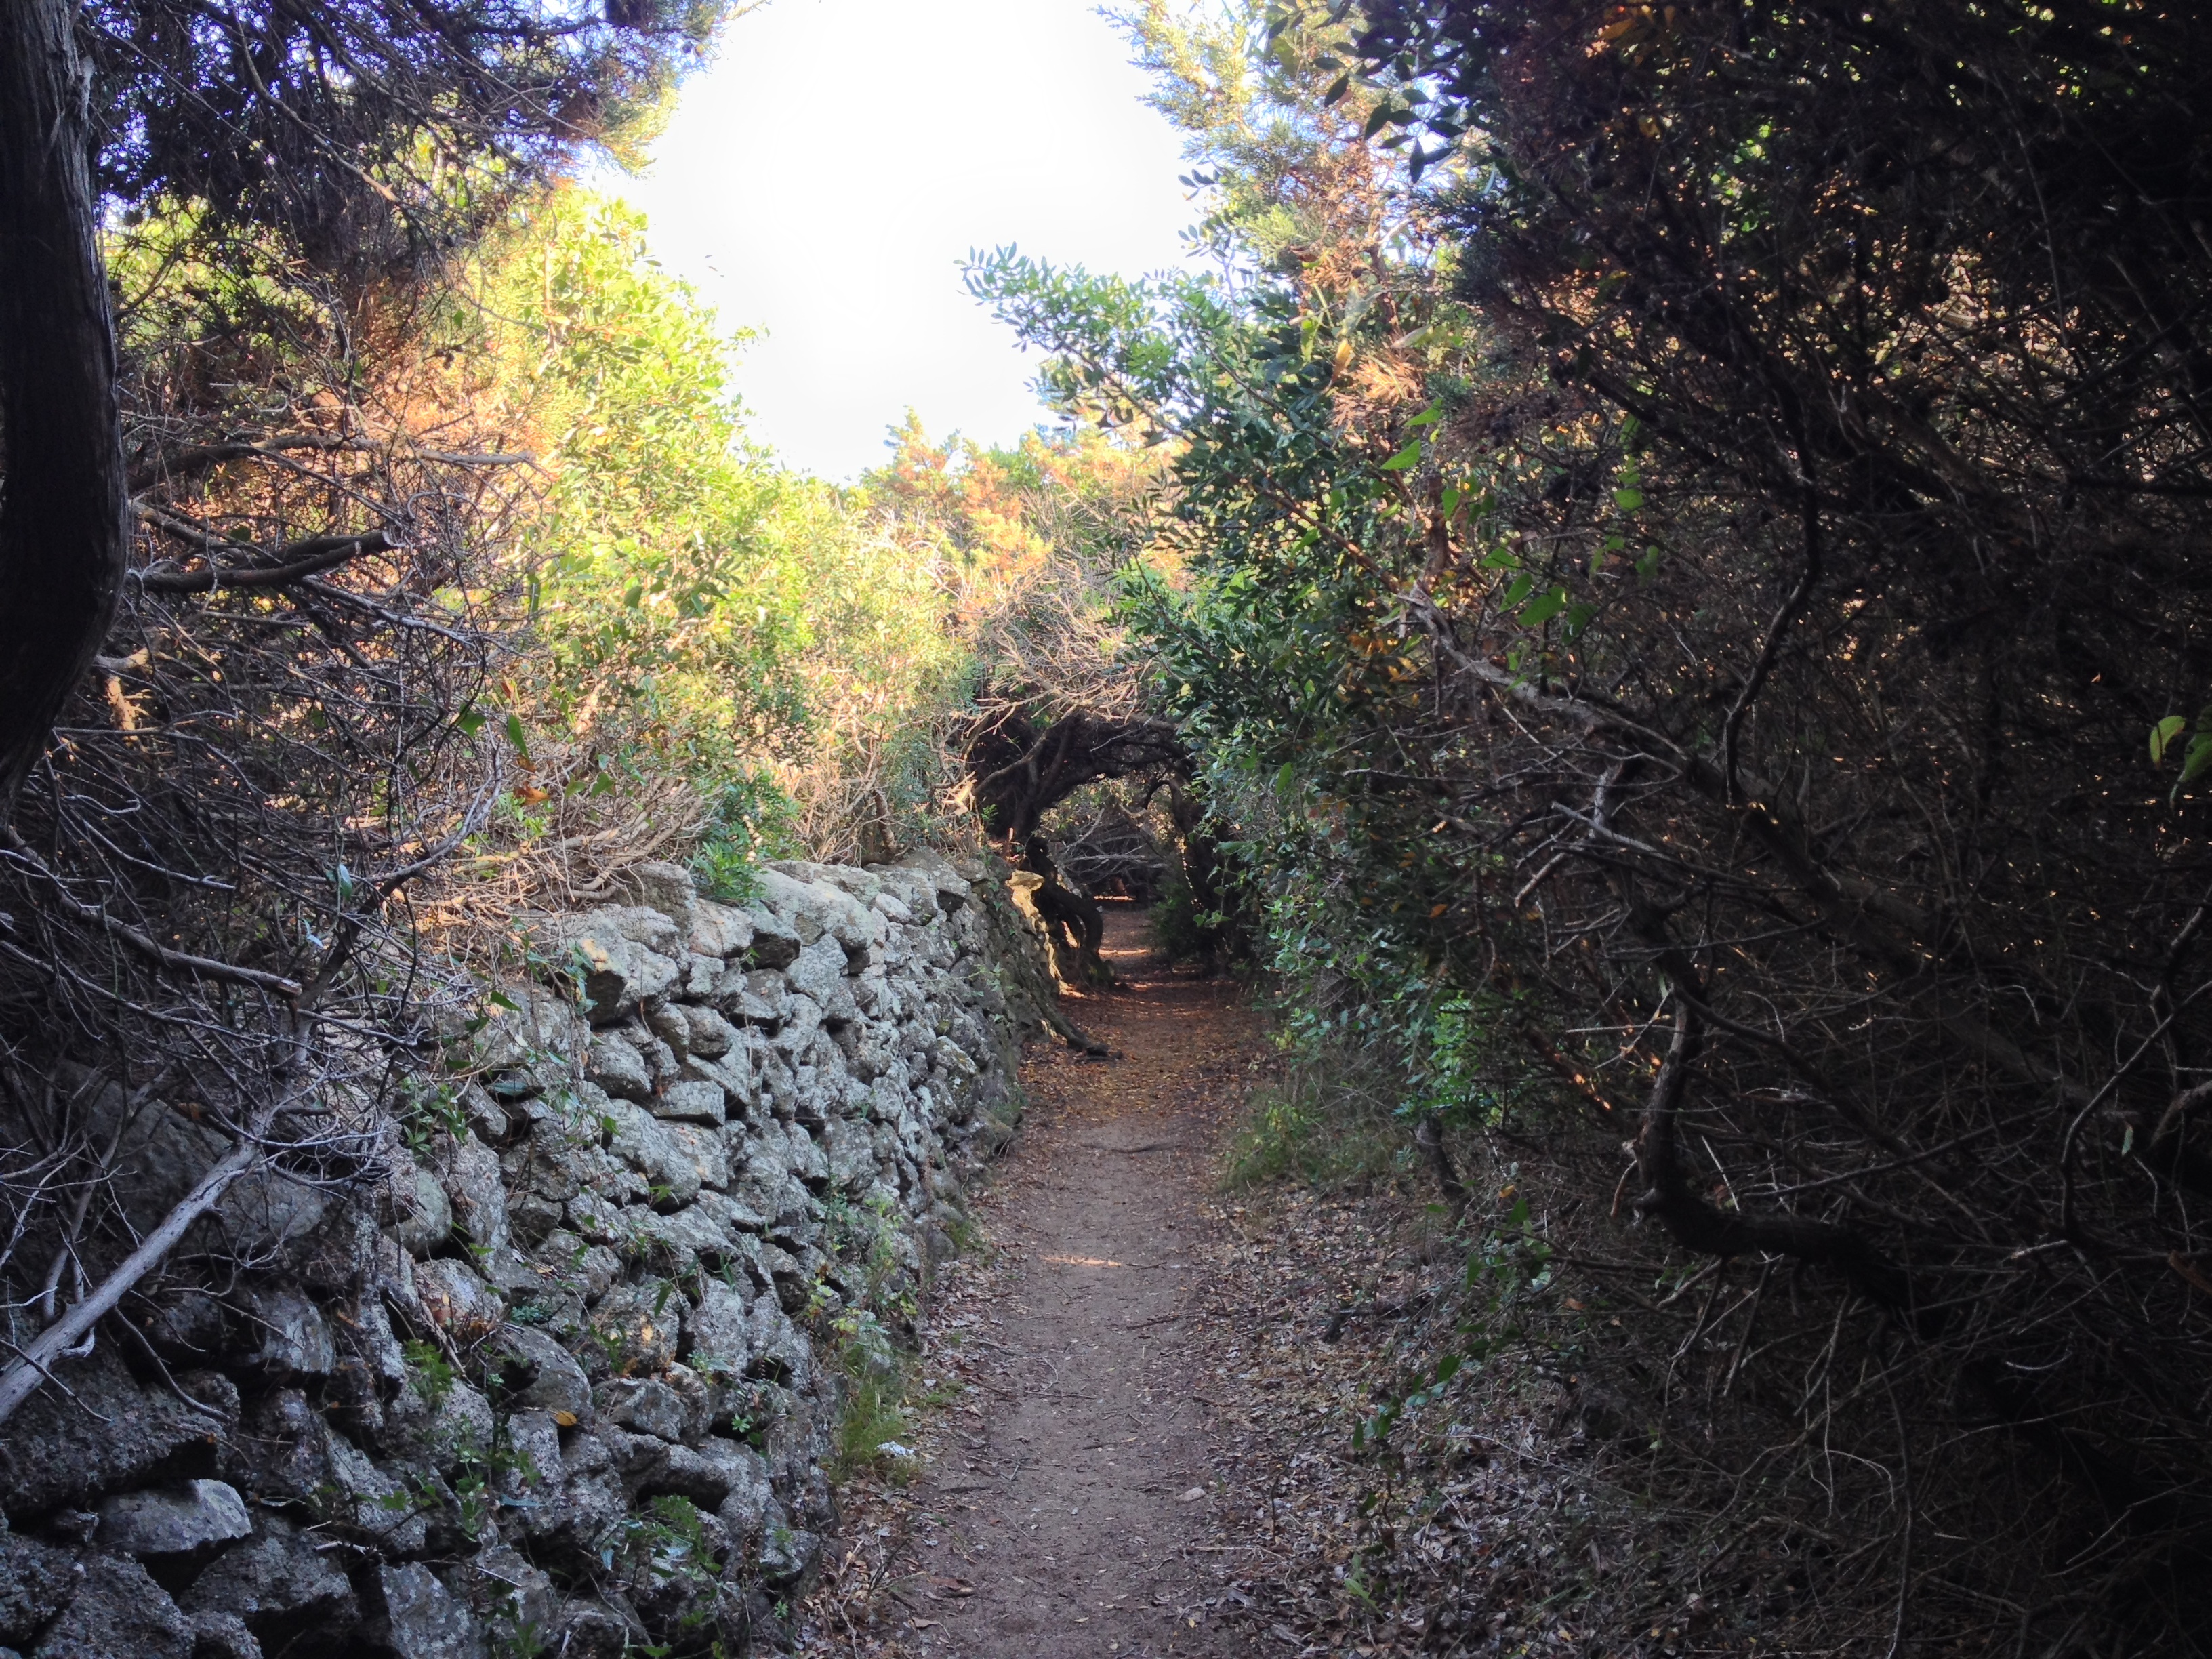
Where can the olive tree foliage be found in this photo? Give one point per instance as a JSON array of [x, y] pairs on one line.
[[248, 523], [1729, 721]]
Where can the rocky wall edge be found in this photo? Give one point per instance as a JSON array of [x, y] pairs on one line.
[[561, 1384]]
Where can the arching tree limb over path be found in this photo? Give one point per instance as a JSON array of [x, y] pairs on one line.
[[1017, 773]]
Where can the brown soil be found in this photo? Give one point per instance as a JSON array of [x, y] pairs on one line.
[[1140, 1408], [1065, 1510], [1137, 1405]]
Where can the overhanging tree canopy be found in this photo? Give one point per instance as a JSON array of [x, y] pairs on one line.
[[1703, 634]]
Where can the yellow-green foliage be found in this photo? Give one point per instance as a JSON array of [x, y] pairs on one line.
[[719, 611]]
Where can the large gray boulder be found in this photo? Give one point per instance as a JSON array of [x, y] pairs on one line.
[[750, 1505], [731, 1077], [377, 1503], [592, 1630], [952, 890], [705, 1149], [223, 1635], [422, 1619], [849, 895], [644, 1405], [517, 1594], [691, 1101], [455, 1298], [639, 1326], [616, 1066], [530, 1040], [709, 1036], [100, 1432], [756, 997], [426, 1433], [719, 930], [279, 1584], [720, 1332], [473, 1183], [775, 941], [423, 1215], [818, 972], [644, 1143], [289, 1336], [178, 1520], [117, 1611], [622, 955], [36, 1581], [543, 1375], [667, 888]]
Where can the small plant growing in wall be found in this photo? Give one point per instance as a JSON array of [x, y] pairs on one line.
[[429, 1373]]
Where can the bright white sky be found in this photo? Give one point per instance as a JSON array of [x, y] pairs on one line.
[[822, 181]]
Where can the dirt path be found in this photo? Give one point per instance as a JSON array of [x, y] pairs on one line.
[[1066, 1508]]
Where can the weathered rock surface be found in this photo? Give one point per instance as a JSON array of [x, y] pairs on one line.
[[173, 1520], [467, 1405], [424, 1619], [117, 1610], [106, 1434], [37, 1581], [277, 1584]]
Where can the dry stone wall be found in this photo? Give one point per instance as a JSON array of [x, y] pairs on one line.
[[567, 1383]]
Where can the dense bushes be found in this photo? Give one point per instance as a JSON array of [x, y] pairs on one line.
[[697, 611], [1678, 602], [251, 576]]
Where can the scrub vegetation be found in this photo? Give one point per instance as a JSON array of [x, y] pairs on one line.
[[1648, 590]]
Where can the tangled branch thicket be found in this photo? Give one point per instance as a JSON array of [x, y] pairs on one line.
[[1677, 626], [212, 970], [210, 936], [1827, 863]]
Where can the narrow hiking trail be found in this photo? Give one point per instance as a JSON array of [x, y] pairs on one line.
[[1069, 1492], [1133, 1435], [1073, 1502]]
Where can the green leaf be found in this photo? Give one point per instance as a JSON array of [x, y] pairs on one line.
[[2164, 733], [2195, 763], [515, 735], [1409, 456], [1450, 505], [1428, 417], [1628, 499], [470, 720], [1542, 608], [1518, 591]]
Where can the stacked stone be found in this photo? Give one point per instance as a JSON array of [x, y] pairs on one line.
[[694, 1137]]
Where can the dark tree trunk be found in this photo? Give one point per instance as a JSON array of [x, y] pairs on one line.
[[1076, 925], [63, 529], [1202, 875]]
